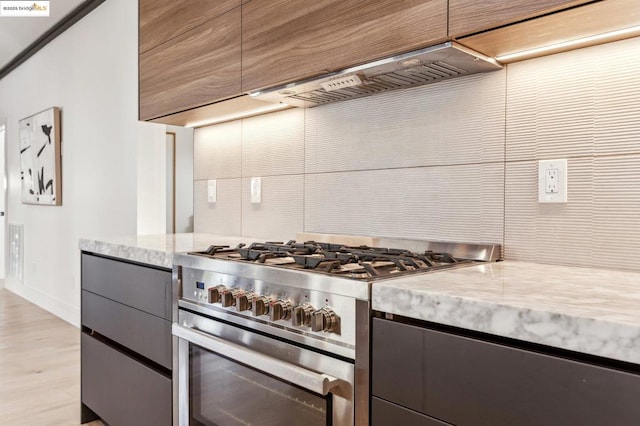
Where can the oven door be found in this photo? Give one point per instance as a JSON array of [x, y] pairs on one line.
[[243, 378]]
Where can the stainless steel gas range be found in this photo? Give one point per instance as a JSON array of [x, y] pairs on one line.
[[278, 333]]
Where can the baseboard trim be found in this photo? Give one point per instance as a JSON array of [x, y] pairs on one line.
[[57, 307]]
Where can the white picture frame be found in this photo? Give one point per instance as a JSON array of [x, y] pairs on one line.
[[40, 158]]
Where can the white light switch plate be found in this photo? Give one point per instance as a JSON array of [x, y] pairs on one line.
[[212, 192], [552, 181], [256, 190]]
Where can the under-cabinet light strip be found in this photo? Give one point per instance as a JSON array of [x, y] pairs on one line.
[[569, 43], [236, 116]]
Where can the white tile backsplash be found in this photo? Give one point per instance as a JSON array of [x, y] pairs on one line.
[[616, 211], [273, 144], [458, 121], [448, 203], [580, 103], [217, 151], [550, 233], [222, 217], [280, 214]]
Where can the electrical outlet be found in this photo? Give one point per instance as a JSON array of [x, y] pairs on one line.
[[552, 181], [256, 190], [212, 192]]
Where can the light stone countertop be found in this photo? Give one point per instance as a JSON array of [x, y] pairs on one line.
[[157, 250], [594, 311]]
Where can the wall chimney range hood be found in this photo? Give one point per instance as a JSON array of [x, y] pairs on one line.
[[416, 68]]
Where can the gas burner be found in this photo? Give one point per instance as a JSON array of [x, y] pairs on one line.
[[355, 262]]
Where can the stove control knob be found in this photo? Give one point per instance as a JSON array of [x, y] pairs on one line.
[[324, 320], [302, 315], [215, 293], [228, 297], [260, 305], [280, 310], [244, 301]]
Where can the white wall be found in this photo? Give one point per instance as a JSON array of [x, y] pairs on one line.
[[90, 72], [153, 198], [184, 178], [151, 178], [3, 219]]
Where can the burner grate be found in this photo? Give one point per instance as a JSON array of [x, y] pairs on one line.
[[358, 262]]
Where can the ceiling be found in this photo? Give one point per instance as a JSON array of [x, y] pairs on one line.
[[16, 33]]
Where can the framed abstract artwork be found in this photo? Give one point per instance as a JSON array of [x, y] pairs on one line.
[[40, 160]]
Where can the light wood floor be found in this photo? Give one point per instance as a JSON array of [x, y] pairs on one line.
[[39, 366]]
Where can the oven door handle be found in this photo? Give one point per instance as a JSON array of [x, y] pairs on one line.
[[321, 384]]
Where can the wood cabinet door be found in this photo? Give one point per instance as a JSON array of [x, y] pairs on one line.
[[193, 69], [162, 20], [470, 16], [287, 40]]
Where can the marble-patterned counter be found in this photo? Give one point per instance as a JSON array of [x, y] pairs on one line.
[[157, 250], [592, 311]]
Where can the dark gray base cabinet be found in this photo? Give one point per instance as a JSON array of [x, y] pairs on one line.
[[126, 343], [122, 390], [387, 413], [431, 377]]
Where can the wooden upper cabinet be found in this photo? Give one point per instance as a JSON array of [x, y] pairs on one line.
[[192, 69], [471, 16], [577, 23], [162, 20], [286, 40]]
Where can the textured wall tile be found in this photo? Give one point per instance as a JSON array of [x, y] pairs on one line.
[[550, 233], [575, 104], [273, 144], [280, 215], [617, 123], [550, 108], [616, 212], [217, 151], [457, 121], [450, 203], [222, 217]]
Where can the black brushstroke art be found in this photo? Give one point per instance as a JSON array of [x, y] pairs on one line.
[[42, 188], [47, 131], [39, 165]]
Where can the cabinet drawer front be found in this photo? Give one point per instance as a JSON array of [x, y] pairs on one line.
[[139, 331], [466, 381], [121, 390], [194, 69], [140, 287], [384, 413]]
